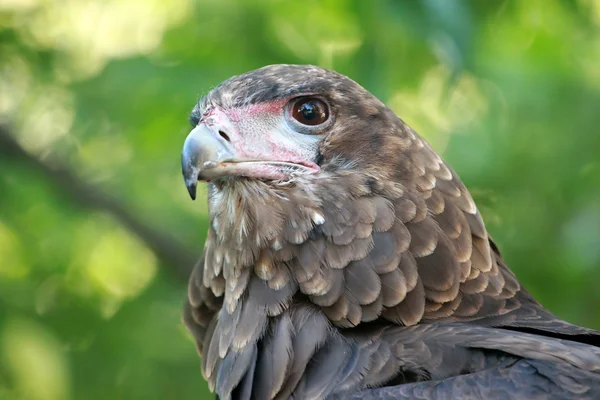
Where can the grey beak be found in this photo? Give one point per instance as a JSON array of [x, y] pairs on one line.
[[203, 150]]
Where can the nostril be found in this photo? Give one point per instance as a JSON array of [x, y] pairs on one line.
[[224, 136]]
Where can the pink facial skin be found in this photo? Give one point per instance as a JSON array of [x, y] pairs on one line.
[[265, 147]]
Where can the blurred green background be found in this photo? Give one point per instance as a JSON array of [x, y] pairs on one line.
[[97, 231]]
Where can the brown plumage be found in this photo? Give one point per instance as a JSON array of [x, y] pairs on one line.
[[346, 256]]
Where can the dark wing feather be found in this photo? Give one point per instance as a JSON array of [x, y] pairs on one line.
[[524, 379], [274, 362], [461, 360], [201, 306]]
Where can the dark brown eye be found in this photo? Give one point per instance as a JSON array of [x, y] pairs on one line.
[[310, 111]]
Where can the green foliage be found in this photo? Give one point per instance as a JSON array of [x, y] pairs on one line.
[[507, 91]]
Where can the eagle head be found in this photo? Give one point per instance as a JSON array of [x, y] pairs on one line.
[[285, 124]]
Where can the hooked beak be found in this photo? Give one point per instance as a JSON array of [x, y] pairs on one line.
[[203, 150]]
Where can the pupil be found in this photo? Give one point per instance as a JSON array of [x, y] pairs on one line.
[[308, 111]]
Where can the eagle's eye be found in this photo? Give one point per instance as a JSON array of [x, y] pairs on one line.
[[310, 111]]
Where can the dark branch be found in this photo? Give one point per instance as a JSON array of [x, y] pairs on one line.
[[170, 253]]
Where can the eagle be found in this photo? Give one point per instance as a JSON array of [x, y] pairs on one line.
[[345, 259]]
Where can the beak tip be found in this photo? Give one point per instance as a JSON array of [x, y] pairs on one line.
[[203, 149], [191, 188], [190, 175]]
